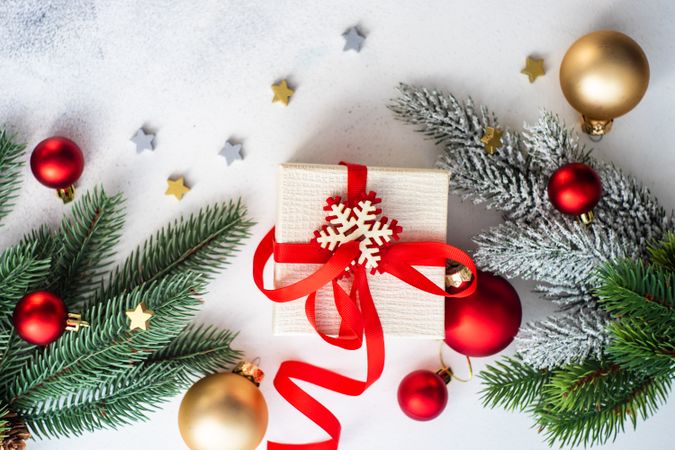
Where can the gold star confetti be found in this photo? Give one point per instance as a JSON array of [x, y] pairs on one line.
[[533, 68], [176, 188], [492, 140], [282, 93], [139, 317]]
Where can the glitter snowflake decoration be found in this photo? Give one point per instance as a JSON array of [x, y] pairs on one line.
[[358, 223]]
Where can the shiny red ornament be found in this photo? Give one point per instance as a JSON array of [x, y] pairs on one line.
[[40, 317], [485, 322], [57, 162], [422, 395], [574, 189]]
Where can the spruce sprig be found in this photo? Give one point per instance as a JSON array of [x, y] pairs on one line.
[[109, 347], [107, 375], [122, 400], [636, 397], [196, 350], [11, 162], [87, 239], [202, 243], [512, 384]]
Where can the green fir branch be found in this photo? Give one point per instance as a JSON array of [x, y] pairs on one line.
[[198, 351], [643, 346], [21, 268], [5, 425], [127, 398], [85, 359], [576, 387], [512, 384], [201, 244], [663, 252], [16, 355], [634, 289], [636, 397], [11, 162], [87, 240]]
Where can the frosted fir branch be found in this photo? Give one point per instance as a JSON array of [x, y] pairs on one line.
[[550, 144], [441, 117], [568, 296], [571, 337], [629, 208], [502, 181], [537, 242], [556, 253]]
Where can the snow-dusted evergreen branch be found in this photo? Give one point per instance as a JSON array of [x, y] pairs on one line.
[[550, 144], [562, 254], [629, 208], [564, 338], [501, 181], [537, 242]]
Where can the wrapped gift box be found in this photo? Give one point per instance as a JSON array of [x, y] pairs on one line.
[[417, 198]]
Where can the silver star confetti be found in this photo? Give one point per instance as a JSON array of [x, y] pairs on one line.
[[231, 153], [143, 141], [353, 39]]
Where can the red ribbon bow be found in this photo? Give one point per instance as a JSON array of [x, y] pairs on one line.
[[397, 260]]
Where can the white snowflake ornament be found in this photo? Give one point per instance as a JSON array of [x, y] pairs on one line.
[[358, 223]]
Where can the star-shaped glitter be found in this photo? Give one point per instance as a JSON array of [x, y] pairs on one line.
[[533, 68], [139, 317], [143, 141], [282, 93], [231, 153], [353, 40], [492, 140], [176, 188]]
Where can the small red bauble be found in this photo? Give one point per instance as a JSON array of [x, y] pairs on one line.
[[485, 322], [57, 162], [574, 189], [40, 317], [422, 395]]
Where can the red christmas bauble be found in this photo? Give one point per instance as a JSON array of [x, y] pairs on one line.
[[40, 317], [57, 162], [574, 189], [422, 395], [485, 322]]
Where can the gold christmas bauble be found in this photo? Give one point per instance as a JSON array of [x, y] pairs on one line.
[[223, 411], [604, 75]]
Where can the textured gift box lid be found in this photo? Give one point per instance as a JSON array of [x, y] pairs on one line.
[[417, 198]]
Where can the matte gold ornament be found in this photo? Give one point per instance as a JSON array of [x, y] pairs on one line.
[[604, 75], [224, 411], [492, 140]]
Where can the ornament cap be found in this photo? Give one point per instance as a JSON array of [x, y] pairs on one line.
[[75, 322], [456, 275], [250, 371], [446, 374], [596, 127], [66, 194], [587, 217]]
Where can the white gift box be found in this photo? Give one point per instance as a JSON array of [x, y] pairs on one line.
[[417, 198]]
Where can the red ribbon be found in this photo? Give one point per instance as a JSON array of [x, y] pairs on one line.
[[357, 311]]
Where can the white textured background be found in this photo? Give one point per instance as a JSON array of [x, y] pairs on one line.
[[97, 70]]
